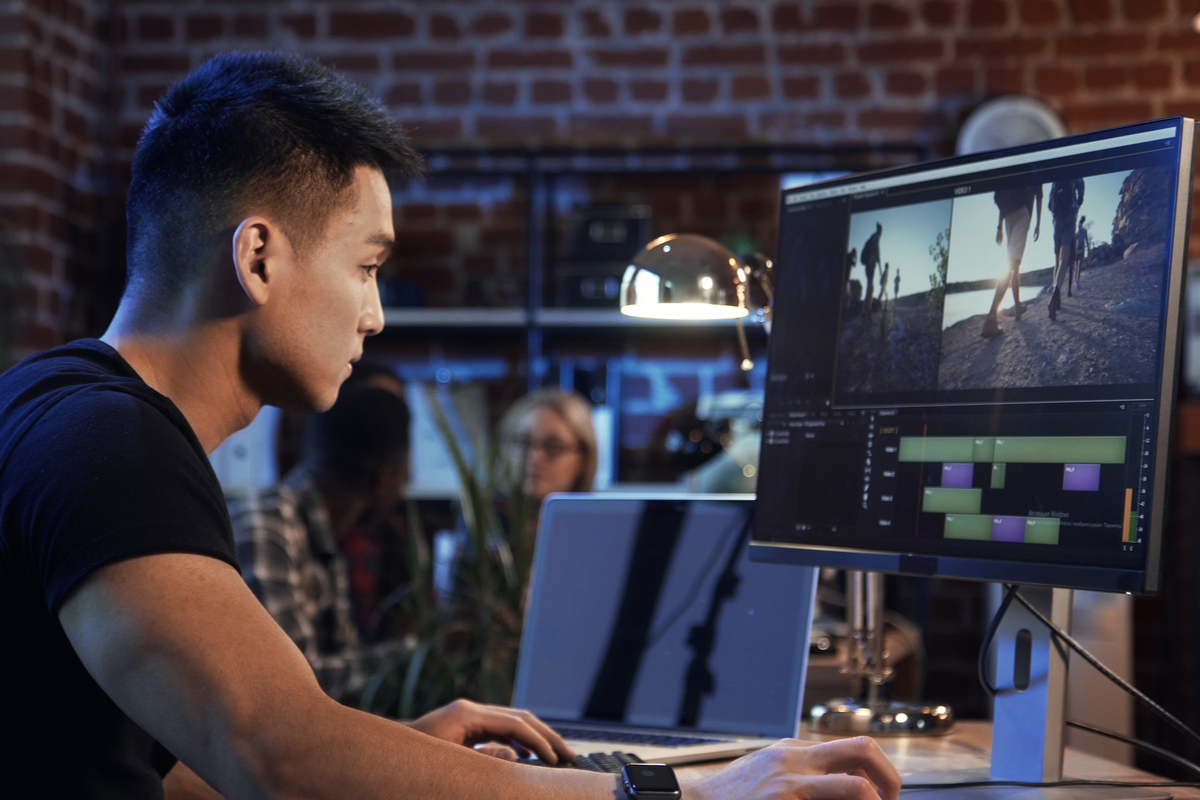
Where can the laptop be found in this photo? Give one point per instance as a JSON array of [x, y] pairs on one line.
[[650, 632]]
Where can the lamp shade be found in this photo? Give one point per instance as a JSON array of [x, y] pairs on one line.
[[685, 276]]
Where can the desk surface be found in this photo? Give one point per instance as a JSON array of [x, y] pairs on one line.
[[967, 751]]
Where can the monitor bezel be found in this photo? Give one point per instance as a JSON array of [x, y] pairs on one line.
[[1147, 580]]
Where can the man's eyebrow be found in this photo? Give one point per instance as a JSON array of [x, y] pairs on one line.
[[382, 240]]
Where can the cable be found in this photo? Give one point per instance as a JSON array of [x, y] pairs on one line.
[[981, 666], [1167, 716], [1162, 753]]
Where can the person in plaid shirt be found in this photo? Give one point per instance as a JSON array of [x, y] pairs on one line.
[[354, 467]]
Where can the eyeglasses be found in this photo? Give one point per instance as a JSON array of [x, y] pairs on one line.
[[553, 448]]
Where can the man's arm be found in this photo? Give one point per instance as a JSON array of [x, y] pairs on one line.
[[182, 646]]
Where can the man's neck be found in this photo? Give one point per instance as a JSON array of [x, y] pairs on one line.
[[197, 367]]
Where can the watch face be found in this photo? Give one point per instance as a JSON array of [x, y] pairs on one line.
[[645, 778]]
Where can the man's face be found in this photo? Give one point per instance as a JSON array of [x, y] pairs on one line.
[[329, 301]]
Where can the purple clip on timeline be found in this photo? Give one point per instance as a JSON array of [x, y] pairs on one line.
[[957, 476], [1008, 529], [1081, 477]]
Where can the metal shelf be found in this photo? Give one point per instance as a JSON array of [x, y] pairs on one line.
[[455, 317]]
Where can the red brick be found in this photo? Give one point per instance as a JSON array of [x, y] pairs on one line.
[[370, 25], [302, 26], [600, 91], [491, 23], [413, 241], [155, 28], [1157, 75], [807, 88], [1185, 108], [403, 94], [691, 22], [1038, 12], [955, 81], [690, 126], [648, 90], [851, 86], [432, 59], [739, 20], [1020, 46], [1089, 10], [452, 93], [516, 127], [351, 62], [147, 96], [723, 55], [1176, 43], [595, 24], [1106, 114], [812, 54], [500, 93], [836, 16], [750, 87], [939, 13], [445, 27], [524, 59], [987, 13], [463, 212], [886, 15], [1056, 80], [1004, 80], [433, 129], [251, 26], [1106, 78], [642, 20], [1105, 44], [155, 63], [642, 57], [903, 50], [540, 25], [1146, 10], [893, 118], [905, 84], [787, 17], [621, 126], [700, 90], [551, 92]]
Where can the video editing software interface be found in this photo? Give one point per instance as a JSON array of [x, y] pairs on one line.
[[930, 392]]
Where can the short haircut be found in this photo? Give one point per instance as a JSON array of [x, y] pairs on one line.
[[247, 133], [366, 429]]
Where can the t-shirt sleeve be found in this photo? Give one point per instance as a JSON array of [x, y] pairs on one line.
[[108, 476]]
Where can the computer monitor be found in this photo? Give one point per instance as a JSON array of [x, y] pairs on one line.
[[919, 420]]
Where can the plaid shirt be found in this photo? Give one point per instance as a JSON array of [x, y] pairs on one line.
[[290, 559]]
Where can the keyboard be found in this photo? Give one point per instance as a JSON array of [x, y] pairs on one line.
[[632, 737], [605, 762]]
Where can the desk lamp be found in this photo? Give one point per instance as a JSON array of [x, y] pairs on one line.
[[685, 276]]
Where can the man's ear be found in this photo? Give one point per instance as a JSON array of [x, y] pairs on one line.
[[257, 244]]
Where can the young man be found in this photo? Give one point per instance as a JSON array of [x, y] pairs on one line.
[[1065, 199], [1016, 212], [258, 216], [289, 537]]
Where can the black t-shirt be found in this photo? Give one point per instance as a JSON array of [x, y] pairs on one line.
[[95, 467]]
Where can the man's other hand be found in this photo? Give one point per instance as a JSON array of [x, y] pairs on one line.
[[847, 769], [467, 723]]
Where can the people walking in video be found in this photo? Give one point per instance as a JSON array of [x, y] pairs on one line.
[[1065, 199], [1016, 212], [1081, 246], [870, 261]]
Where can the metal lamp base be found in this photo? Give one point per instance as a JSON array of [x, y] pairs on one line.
[[848, 716]]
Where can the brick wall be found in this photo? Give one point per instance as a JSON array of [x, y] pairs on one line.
[[470, 72], [50, 67]]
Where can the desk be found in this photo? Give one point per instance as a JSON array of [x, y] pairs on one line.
[[967, 752]]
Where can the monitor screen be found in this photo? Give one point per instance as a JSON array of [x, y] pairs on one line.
[[973, 364]]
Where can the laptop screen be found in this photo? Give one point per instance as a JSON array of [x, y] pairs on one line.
[[648, 612]]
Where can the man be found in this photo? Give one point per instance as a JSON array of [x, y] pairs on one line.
[[1065, 199], [870, 262], [258, 216], [289, 537], [1016, 212], [1081, 248]]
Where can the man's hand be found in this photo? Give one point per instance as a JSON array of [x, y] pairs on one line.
[[847, 769], [467, 723]]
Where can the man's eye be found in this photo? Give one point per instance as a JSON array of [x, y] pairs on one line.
[[371, 269]]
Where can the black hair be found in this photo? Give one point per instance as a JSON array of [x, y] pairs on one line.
[[366, 429], [257, 132]]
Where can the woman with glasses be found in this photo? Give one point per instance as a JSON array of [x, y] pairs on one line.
[[551, 445]]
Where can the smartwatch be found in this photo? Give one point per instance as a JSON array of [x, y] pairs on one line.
[[650, 782]]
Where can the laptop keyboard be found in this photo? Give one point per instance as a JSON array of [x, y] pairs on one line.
[[630, 737], [605, 762]]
